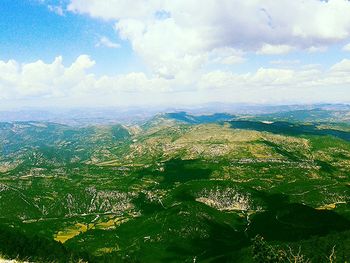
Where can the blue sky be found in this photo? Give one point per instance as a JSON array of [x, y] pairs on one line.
[[106, 52], [30, 31]]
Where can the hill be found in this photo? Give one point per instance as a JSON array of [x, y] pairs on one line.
[[178, 188]]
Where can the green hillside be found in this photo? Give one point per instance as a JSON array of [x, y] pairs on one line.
[[177, 188]]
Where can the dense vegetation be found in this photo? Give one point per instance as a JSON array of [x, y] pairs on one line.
[[178, 188]]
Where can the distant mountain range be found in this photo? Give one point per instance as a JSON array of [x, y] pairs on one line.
[[86, 116]]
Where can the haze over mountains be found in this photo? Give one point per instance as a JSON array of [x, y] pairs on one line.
[[128, 115]]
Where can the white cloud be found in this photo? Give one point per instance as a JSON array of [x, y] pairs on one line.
[[41, 79], [268, 49], [192, 31], [226, 56], [342, 66], [346, 47], [282, 62], [106, 42], [116, 9], [56, 9], [275, 85], [273, 77], [47, 81], [314, 49]]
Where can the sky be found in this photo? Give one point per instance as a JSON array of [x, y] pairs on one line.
[[92, 53]]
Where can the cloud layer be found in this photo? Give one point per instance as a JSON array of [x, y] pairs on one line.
[[54, 80], [106, 42]]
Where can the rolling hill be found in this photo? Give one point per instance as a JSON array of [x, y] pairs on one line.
[[177, 188]]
